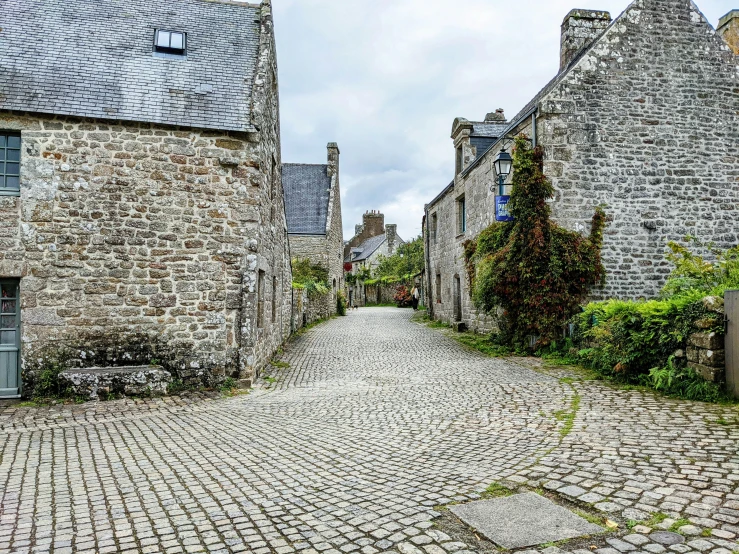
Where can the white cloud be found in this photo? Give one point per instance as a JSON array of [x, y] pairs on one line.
[[385, 79]]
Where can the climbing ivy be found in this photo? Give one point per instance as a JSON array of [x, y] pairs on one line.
[[537, 272]]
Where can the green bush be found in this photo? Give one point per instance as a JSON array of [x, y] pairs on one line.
[[694, 273], [538, 272], [311, 277], [341, 303], [47, 383], [635, 342], [402, 266]]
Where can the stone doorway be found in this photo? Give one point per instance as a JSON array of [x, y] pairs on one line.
[[10, 340]]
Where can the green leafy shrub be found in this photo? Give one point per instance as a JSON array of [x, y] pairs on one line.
[[311, 277], [47, 383], [402, 266], [630, 338], [636, 341], [693, 272], [538, 272], [677, 380], [341, 303]]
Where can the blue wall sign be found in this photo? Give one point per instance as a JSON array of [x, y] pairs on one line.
[[501, 209]]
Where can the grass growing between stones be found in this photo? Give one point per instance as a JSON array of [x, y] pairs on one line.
[[653, 521], [474, 341], [496, 490], [675, 527], [230, 388], [568, 416], [590, 518]]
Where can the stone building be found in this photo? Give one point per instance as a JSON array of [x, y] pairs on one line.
[[372, 241], [314, 224], [141, 202], [641, 118]]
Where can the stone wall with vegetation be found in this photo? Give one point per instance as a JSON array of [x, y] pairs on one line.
[[308, 309], [136, 242], [663, 164]]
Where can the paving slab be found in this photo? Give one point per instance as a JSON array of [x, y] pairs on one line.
[[523, 520]]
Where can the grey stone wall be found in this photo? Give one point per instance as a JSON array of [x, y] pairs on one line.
[[308, 310], [644, 123], [136, 242]]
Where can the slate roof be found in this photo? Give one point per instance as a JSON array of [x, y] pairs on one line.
[[369, 247], [307, 190], [95, 59], [487, 129]]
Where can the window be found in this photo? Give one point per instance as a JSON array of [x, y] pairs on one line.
[[434, 227], [10, 163], [260, 301], [170, 42], [438, 288], [274, 299], [458, 167], [461, 216]]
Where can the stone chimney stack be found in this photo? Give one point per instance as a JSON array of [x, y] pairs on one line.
[[579, 29], [498, 116], [391, 233], [728, 28], [373, 224], [358, 229], [333, 159]]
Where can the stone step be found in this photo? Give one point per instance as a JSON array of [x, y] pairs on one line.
[[127, 380]]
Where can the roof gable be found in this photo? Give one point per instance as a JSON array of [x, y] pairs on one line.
[[637, 13], [95, 59], [307, 190]]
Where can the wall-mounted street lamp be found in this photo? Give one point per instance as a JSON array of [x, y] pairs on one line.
[[503, 164]]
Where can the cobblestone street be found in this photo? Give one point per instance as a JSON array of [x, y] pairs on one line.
[[377, 423]]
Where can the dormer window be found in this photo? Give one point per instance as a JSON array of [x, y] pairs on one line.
[[170, 42]]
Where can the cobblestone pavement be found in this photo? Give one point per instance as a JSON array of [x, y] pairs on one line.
[[377, 423]]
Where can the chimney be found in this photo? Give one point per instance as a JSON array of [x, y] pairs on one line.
[[579, 30], [358, 230], [333, 159], [391, 233], [728, 29], [373, 224], [496, 117]]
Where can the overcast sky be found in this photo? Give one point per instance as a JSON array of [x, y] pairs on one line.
[[386, 78]]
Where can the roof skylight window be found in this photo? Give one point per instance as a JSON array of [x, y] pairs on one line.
[[170, 42]]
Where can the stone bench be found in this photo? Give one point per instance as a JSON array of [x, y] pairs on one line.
[[129, 380]]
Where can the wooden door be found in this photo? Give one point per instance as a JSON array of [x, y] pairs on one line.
[[10, 339], [731, 299]]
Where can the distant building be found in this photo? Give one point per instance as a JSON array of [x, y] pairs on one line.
[[372, 241], [314, 224], [642, 117], [140, 190]]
